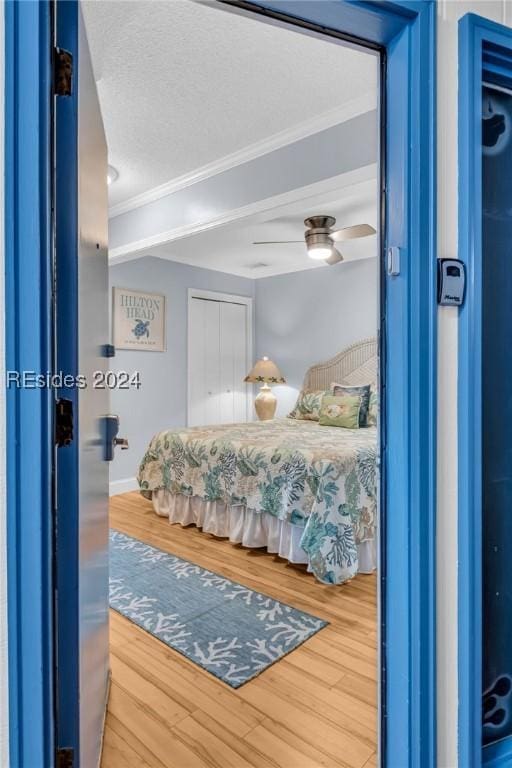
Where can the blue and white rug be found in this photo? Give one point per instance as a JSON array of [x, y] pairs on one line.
[[224, 627]]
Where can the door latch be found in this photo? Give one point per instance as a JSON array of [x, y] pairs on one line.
[[63, 422], [393, 261], [111, 438]]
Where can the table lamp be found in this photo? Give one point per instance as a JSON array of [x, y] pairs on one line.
[[265, 372]]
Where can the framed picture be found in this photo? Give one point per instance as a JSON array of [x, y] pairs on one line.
[[138, 320]]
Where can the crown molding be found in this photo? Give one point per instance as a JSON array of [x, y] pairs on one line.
[[321, 122], [138, 248]]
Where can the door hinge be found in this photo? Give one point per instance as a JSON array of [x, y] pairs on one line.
[[63, 72], [65, 758], [63, 422]]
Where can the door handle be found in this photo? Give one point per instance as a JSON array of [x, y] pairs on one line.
[[111, 439]]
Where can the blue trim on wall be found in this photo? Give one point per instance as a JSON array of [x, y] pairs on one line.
[[29, 414], [474, 33], [410, 398], [406, 32], [469, 394]]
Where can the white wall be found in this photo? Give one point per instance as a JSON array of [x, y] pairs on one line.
[[4, 709], [307, 317], [449, 12], [162, 399]]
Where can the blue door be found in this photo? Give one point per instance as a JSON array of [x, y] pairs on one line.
[[496, 413], [81, 333], [485, 402]]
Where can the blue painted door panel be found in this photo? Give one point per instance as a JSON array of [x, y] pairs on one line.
[[499, 754], [485, 195], [93, 404], [81, 469], [67, 725], [496, 414]]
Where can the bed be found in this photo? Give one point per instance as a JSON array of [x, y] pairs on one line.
[[304, 491]]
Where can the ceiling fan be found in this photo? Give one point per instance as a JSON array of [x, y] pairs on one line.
[[320, 238]]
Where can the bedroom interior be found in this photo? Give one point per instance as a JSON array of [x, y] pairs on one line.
[[245, 513]]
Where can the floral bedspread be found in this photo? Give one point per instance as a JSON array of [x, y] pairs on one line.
[[323, 479]]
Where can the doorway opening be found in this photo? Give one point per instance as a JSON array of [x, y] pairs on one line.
[[408, 397], [267, 275]]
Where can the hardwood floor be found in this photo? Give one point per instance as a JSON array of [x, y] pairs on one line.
[[316, 707]]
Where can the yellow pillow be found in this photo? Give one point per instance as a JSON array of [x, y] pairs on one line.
[[342, 411]]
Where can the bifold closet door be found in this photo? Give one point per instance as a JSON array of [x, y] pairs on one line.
[[218, 362], [233, 362], [204, 362]]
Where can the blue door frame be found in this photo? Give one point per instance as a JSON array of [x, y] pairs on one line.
[[28, 411], [476, 36], [405, 34]]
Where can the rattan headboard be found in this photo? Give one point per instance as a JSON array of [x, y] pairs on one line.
[[356, 364]]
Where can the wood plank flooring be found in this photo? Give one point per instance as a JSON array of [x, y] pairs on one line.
[[316, 707]]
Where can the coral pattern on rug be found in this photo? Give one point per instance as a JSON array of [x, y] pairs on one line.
[[228, 629]]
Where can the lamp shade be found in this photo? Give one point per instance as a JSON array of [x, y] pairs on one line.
[[264, 371]]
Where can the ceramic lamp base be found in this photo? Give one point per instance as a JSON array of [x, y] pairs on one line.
[[265, 403]]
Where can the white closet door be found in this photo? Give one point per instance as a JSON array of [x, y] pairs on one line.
[[241, 364], [233, 365], [204, 363]]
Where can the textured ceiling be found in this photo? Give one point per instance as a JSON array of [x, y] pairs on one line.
[[230, 248], [183, 84]]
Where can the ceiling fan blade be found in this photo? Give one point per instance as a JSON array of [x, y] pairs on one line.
[[334, 258], [276, 242], [350, 233]]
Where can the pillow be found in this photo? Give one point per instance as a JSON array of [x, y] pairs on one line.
[[363, 390], [308, 405], [340, 411], [373, 410]]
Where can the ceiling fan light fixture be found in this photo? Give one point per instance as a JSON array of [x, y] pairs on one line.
[[321, 238], [319, 251], [318, 243]]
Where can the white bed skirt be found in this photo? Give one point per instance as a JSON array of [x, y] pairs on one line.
[[244, 526]]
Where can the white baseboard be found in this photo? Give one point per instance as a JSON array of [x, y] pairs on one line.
[[123, 486]]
